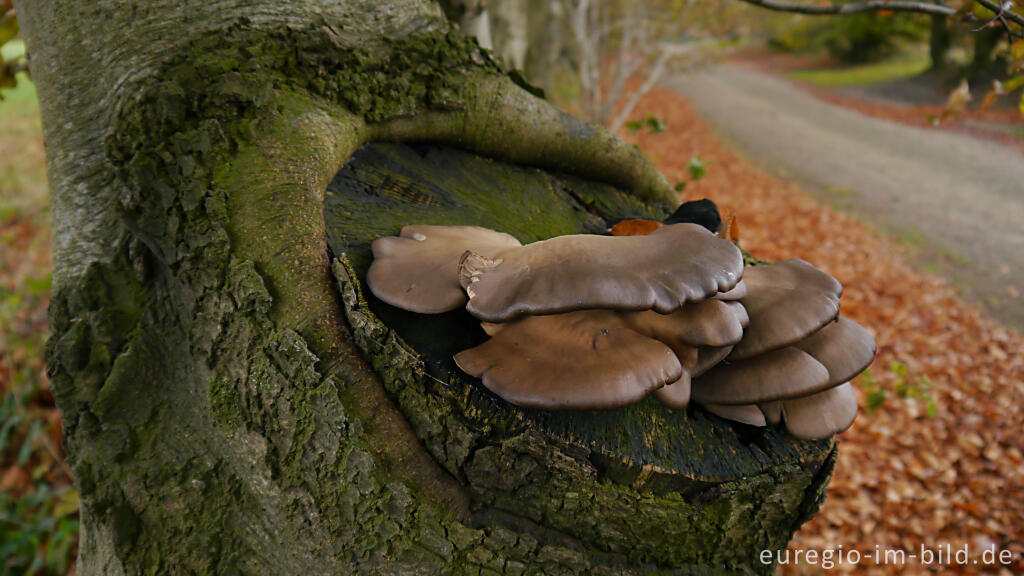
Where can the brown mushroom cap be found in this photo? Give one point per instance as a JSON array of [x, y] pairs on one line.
[[419, 269], [821, 415], [787, 302], [775, 375], [772, 411], [843, 346], [574, 361], [708, 357], [662, 271], [745, 413], [707, 323], [676, 395]]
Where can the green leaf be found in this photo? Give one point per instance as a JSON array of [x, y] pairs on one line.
[[1020, 106], [680, 186], [697, 167], [1013, 83], [657, 125]]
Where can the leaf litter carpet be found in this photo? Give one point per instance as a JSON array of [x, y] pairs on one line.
[[935, 458]]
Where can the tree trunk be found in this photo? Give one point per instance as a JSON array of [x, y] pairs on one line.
[[510, 30], [228, 410], [939, 42]]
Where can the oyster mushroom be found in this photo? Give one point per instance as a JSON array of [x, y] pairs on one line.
[[661, 271], [787, 302], [588, 359], [813, 405], [418, 269], [821, 415]]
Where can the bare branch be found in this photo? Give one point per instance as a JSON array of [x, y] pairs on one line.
[[668, 51], [1003, 12], [854, 7]]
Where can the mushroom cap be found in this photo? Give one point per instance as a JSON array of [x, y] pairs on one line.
[[775, 375], [676, 395], [419, 269], [708, 357], [738, 292], [821, 415], [745, 413], [787, 302], [772, 411], [662, 271], [579, 360], [706, 323], [843, 346]]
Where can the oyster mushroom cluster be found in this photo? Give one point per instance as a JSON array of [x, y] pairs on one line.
[[597, 322]]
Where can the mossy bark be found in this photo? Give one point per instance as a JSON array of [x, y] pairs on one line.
[[229, 410]]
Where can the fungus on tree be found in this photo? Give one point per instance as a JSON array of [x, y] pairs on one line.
[[598, 322], [796, 357], [418, 269], [582, 360], [661, 271]]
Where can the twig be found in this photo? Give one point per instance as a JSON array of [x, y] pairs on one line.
[[854, 7]]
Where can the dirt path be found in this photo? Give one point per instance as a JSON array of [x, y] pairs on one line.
[[956, 201]]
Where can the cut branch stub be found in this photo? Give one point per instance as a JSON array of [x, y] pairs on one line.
[[662, 271]]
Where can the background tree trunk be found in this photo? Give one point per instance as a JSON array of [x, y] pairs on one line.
[[939, 41], [220, 416]]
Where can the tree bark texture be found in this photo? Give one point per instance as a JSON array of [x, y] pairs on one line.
[[228, 410]]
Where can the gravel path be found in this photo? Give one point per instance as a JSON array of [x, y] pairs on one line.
[[956, 201]]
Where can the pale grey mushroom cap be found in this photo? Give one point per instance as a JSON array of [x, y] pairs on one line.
[[661, 271], [843, 346], [787, 302], [419, 269], [821, 415], [579, 360], [775, 375], [745, 413]]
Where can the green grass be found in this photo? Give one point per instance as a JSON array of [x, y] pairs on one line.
[[19, 101], [866, 74], [23, 188]]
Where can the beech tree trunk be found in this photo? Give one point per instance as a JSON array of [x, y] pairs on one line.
[[233, 400]]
